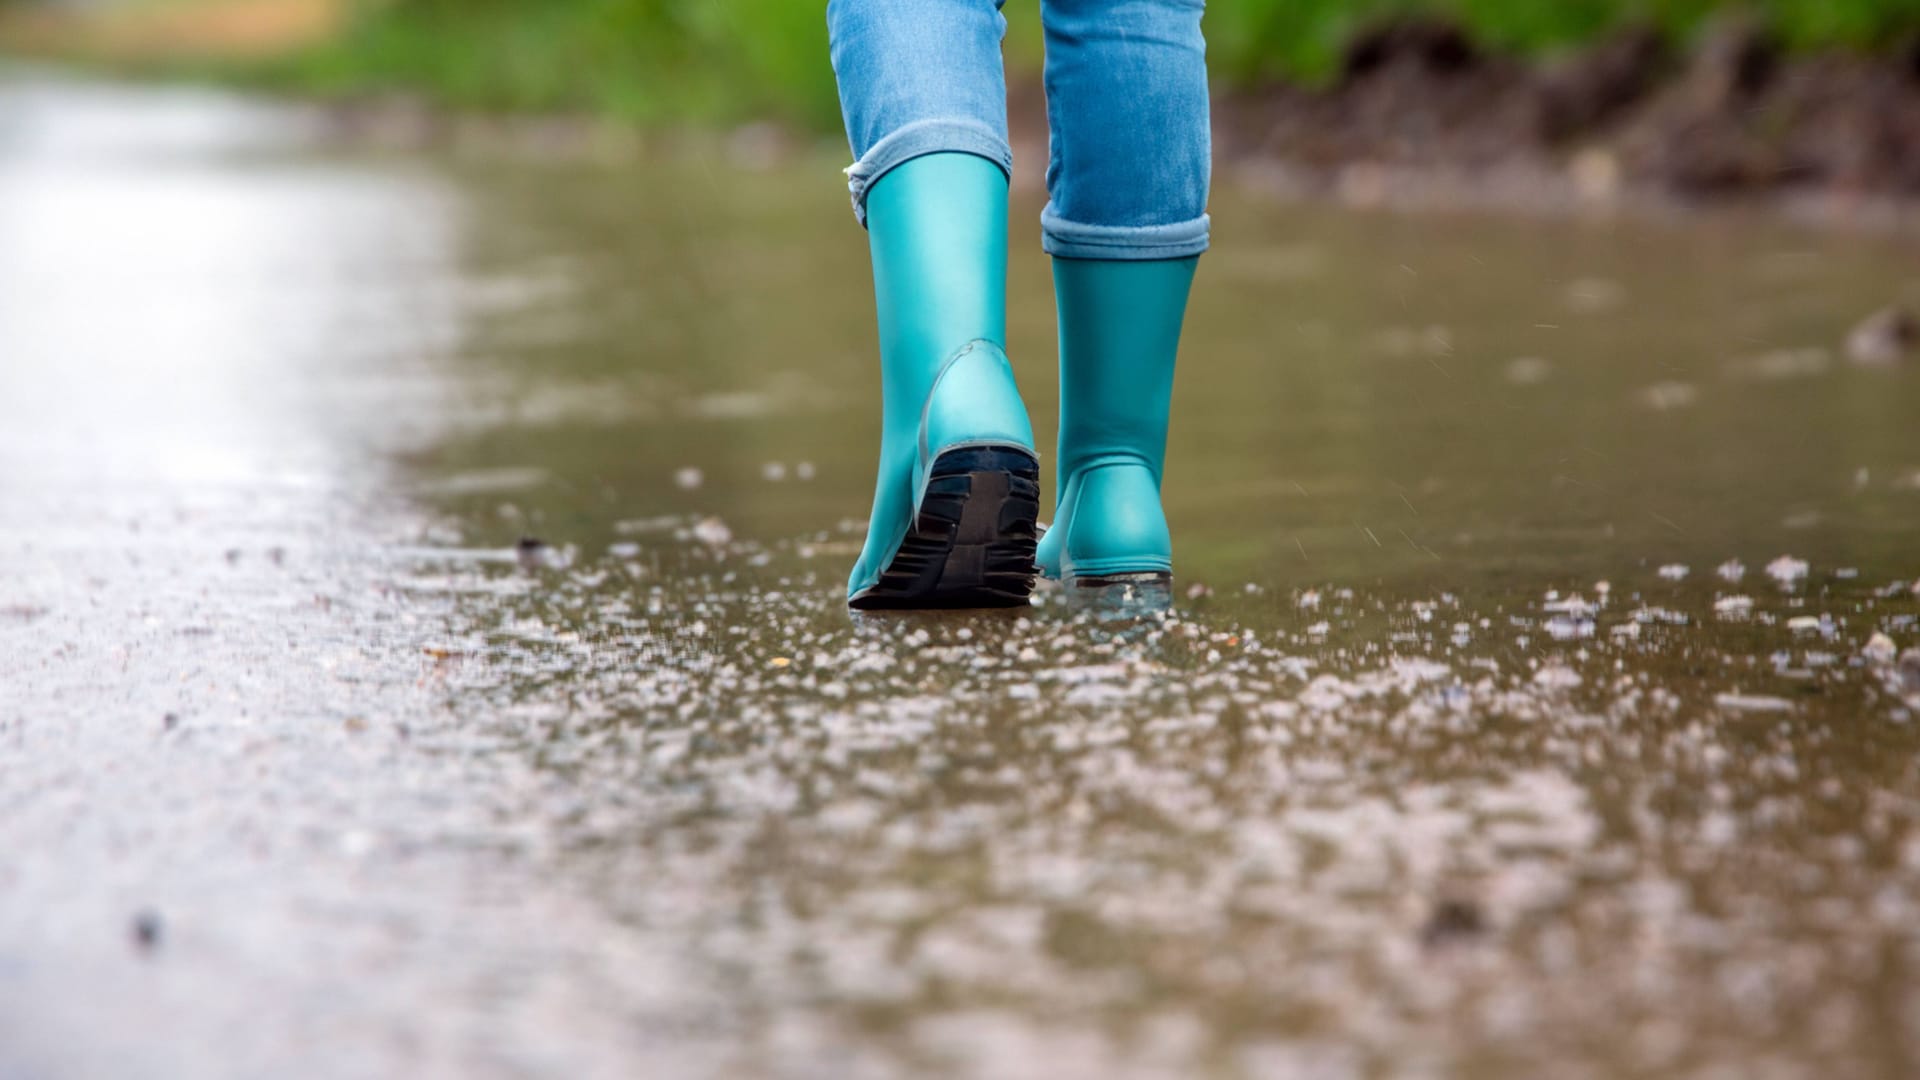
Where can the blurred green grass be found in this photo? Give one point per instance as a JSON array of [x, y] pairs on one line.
[[708, 61], [647, 61]]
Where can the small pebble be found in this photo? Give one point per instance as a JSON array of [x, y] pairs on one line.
[[1451, 922], [1753, 703], [1910, 670], [1883, 338], [1880, 649], [689, 478], [1787, 570], [146, 931], [531, 553], [712, 531]]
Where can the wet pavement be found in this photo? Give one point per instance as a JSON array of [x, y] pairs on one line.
[[422, 648]]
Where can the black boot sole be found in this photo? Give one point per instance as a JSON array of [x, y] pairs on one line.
[[1135, 579], [972, 544]]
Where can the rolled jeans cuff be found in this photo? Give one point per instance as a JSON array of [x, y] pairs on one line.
[[1073, 240], [916, 140]]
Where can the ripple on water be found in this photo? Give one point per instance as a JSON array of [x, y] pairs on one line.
[[1025, 825]]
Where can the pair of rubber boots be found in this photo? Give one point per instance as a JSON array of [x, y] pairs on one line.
[[956, 508]]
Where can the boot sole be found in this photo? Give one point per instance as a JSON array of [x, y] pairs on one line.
[[1134, 579], [972, 543]]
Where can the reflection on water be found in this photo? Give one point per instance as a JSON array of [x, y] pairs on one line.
[[1536, 695], [1130, 598]]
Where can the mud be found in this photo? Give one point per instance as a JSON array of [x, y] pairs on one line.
[[1733, 115]]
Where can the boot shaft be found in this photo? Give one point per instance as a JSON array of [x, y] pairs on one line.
[[1120, 327], [937, 231]]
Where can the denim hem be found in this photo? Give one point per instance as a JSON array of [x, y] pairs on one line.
[[918, 139], [1073, 240]]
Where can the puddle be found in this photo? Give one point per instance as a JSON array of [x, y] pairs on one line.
[[1536, 694]]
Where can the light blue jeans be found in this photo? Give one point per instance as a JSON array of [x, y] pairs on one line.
[[1126, 85]]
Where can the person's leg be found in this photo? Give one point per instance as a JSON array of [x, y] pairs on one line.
[[924, 96], [1126, 223]]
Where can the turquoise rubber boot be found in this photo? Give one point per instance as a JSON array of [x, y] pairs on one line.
[[1119, 332], [958, 494]]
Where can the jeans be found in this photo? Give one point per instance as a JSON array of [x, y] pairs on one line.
[[1126, 80]]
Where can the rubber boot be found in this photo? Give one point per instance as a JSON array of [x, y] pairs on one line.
[[1119, 332], [958, 493]]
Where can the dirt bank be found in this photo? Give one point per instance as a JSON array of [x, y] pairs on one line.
[[1733, 115]]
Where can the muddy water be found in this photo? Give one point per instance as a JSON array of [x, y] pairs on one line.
[[1520, 710]]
